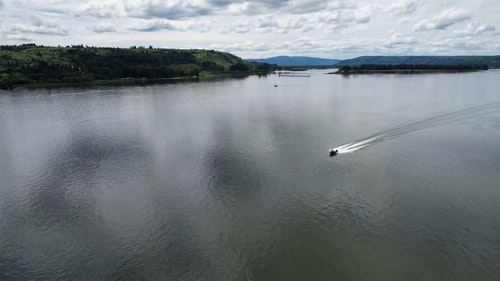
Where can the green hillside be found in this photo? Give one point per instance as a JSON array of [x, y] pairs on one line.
[[28, 64], [490, 61]]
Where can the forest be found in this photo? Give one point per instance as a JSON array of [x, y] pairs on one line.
[[408, 68], [33, 64]]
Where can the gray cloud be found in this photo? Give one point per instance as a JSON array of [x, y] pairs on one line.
[[104, 27], [181, 10], [444, 20], [38, 26], [259, 7], [221, 3], [101, 10], [267, 3], [268, 22], [165, 9], [306, 7], [152, 25], [52, 11], [1, 4]]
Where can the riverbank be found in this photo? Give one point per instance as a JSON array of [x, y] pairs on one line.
[[407, 69], [133, 81], [108, 82], [402, 71]]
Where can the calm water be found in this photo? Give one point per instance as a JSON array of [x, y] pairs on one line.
[[231, 180]]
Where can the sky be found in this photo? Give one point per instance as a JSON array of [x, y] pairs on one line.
[[335, 29]]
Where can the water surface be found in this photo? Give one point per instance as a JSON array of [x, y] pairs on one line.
[[231, 180]]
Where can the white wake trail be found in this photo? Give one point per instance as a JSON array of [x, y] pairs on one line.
[[406, 128]]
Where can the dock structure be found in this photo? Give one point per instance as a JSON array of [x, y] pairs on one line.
[[291, 74]]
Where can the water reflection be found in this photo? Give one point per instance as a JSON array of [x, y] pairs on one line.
[[62, 207], [233, 176]]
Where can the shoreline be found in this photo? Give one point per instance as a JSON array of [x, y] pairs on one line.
[[408, 69], [127, 81], [420, 71], [404, 71]]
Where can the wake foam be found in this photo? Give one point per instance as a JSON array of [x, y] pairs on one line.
[[406, 128]]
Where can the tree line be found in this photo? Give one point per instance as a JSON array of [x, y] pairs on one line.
[[29, 63], [409, 68]]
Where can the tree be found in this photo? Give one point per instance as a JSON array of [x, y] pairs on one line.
[[345, 69]]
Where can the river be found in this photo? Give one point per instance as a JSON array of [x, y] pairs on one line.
[[230, 179]]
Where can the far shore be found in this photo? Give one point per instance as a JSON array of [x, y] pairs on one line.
[[408, 68], [131, 81], [106, 82], [404, 71]]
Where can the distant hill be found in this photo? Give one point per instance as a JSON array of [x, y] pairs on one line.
[[490, 61], [296, 61]]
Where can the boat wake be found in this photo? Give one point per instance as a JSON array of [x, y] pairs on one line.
[[406, 128]]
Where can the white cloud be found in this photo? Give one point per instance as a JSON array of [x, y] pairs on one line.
[[449, 44], [255, 28], [473, 29], [341, 5], [404, 20], [198, 27], [403, 7], [363, 15], [241, 26], [444, 20], [398, 39]]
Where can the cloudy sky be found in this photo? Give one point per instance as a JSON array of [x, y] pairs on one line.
[[261, 28]]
